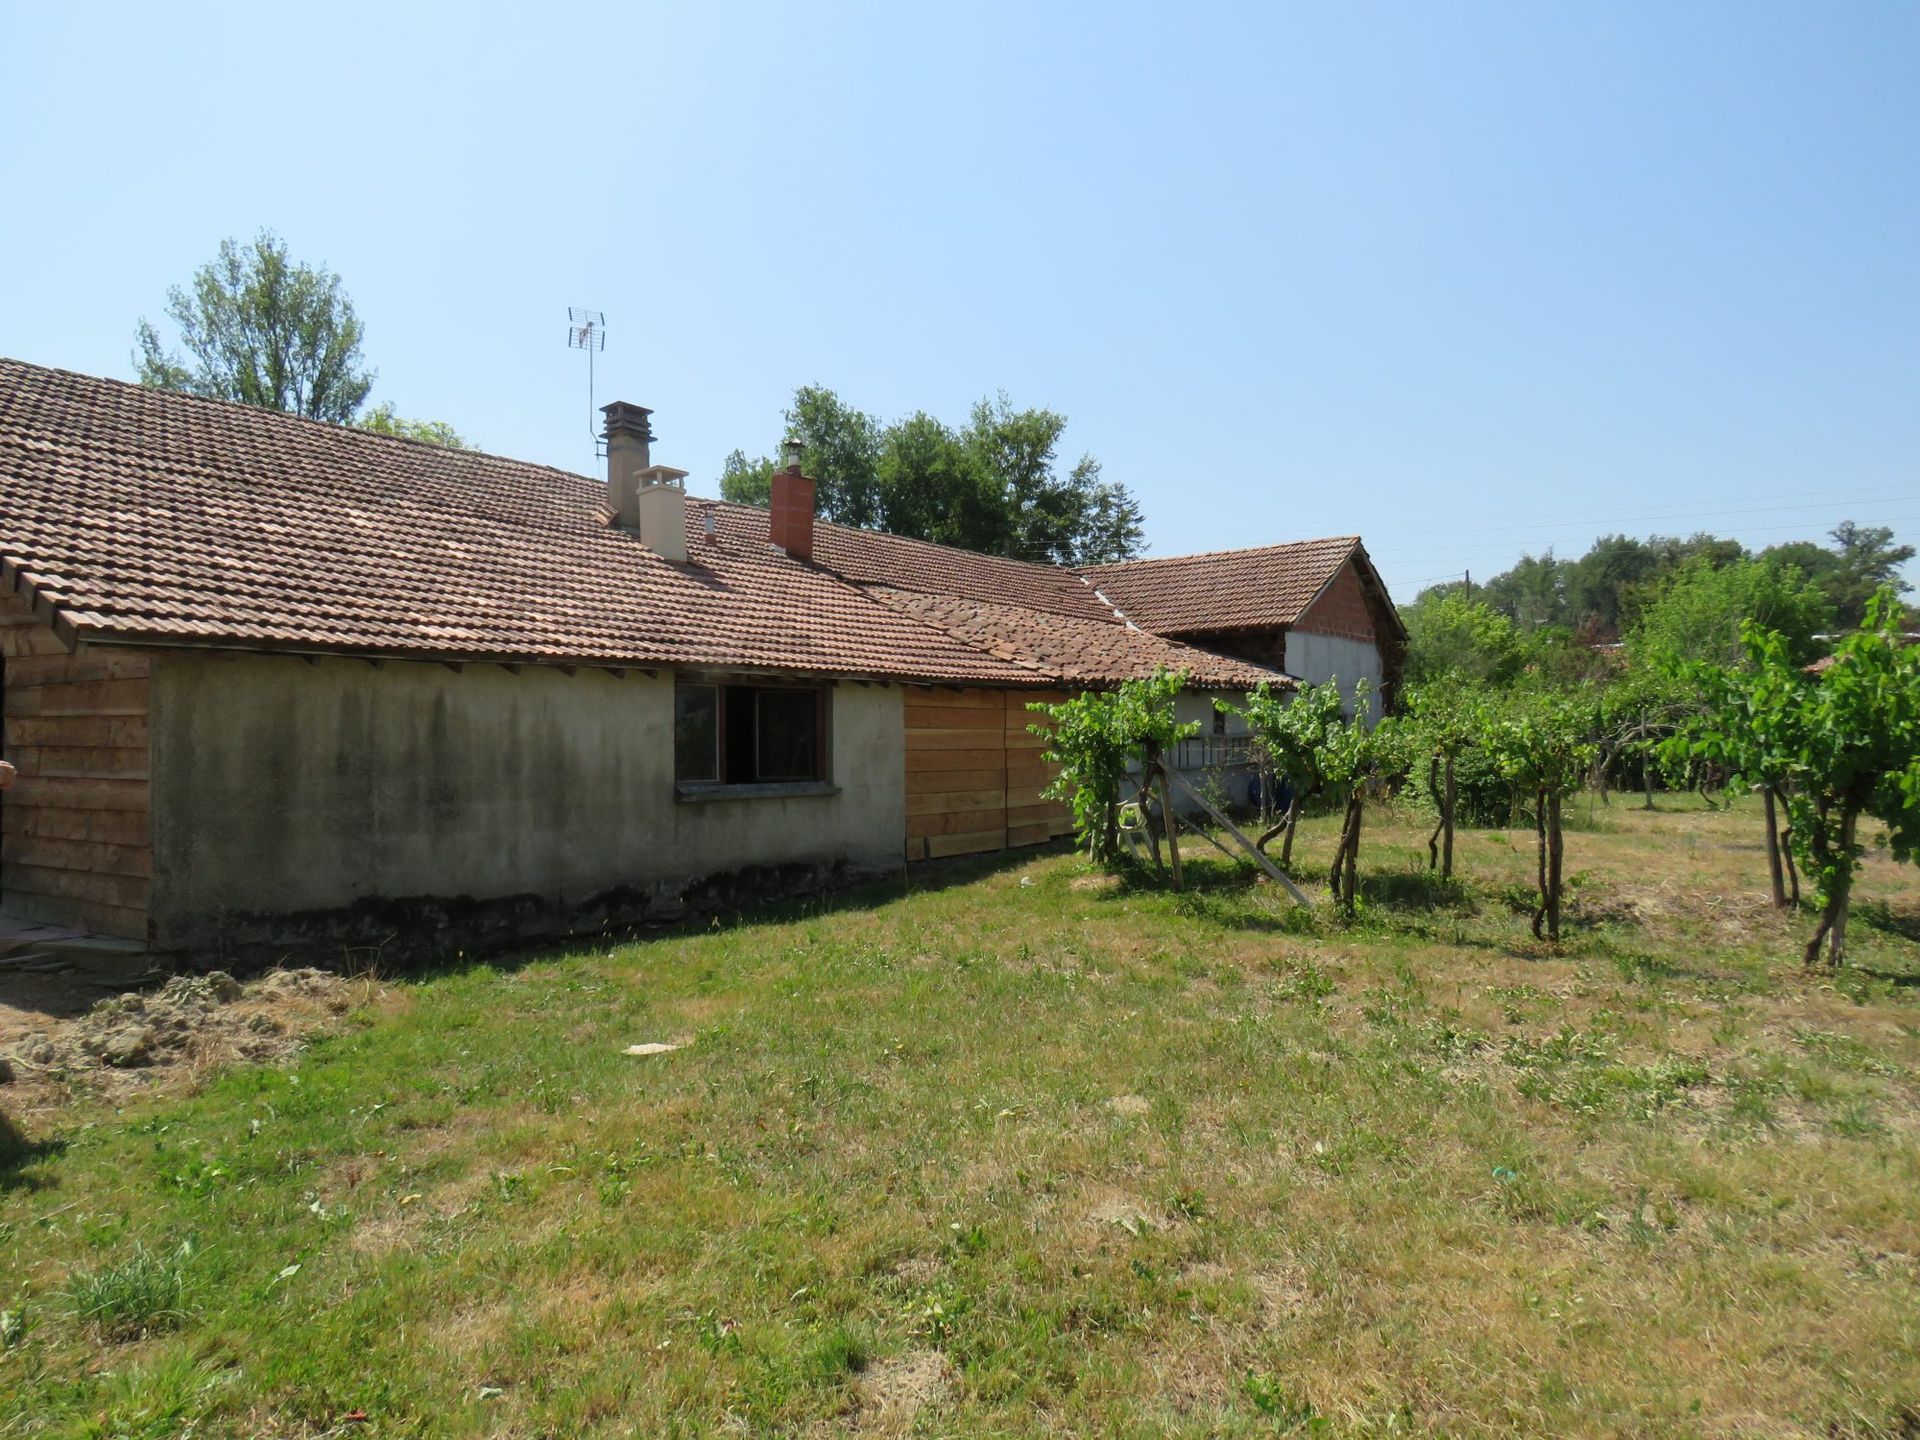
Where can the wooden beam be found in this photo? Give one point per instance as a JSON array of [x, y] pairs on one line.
[[1274, 872]]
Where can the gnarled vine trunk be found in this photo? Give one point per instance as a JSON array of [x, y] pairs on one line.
[[1832, 929], [1433, 789], [1556, 853], [1776, 874], [1547, 830], [1343, 878]]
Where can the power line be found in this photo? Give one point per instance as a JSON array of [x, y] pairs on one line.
[[1380, 556], [1722, 513], [1796, 498]]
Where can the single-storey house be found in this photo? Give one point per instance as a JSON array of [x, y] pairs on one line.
[[269, 681]]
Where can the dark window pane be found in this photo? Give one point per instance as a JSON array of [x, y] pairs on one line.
[[789, 735], [696, 732], [738, 722]]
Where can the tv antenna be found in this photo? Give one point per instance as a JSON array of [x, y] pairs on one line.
[[587, 330]]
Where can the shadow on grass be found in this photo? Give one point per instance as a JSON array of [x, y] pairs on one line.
[[1414, 890], [703, 917], [18, 1154], [1900, 979], [1883, 917]]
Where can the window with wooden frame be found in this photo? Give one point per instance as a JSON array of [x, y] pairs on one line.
[[749, 734]]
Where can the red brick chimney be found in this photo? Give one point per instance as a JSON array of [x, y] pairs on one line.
[[790, 523]]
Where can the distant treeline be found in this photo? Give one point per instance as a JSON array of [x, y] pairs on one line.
[[1602, 595], [1667, 600]]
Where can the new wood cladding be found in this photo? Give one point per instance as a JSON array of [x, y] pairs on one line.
[[76, 845], [974, 773]]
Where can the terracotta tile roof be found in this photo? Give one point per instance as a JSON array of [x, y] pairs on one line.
[[141, 516], [1067, 635], [1225, 589], [162, 518], [871, 558], [1085, 652]]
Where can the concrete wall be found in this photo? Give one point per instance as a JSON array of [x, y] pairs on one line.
[[1320, 658], [1199, 705], [283, 786]]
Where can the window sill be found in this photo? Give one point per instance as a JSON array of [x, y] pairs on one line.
[[701, 793]]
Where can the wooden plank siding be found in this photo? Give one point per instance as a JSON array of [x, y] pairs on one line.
[[76, 845], [974, 773]]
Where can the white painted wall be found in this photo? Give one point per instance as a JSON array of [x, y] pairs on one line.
[[1320, 658]]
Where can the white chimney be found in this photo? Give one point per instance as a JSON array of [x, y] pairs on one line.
[[661, 501]]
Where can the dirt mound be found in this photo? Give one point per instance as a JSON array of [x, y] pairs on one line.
[[134, 1041]]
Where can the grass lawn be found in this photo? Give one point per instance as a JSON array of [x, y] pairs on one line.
[[1028, 1152]]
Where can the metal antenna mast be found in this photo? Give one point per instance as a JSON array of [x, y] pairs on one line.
[[587, 330]]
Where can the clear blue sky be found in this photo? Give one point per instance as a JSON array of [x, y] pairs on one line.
[[1464, 278]]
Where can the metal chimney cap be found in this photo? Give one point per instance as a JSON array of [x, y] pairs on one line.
[[625, 419]]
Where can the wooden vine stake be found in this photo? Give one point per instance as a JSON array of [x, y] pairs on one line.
[[1274, 872]]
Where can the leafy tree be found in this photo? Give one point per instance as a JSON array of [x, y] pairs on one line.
[[1601, 584], [1746, 723], [1353, 755], [263, 330], [1310, 738], [1293, 728], [1836, 746], [992, 486], [1862, 560], [747, 481], [1443, 722], [1636, 715], [1533, 593], [842, 449], [1097, 738], [1451, 633], [1701, 609], [1081, 520], [935, 487], [1540, 740], [382, 420]]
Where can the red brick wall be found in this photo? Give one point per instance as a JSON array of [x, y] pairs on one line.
[[1341, 610]]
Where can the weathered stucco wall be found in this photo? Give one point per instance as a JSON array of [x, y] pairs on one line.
[[284, 786]]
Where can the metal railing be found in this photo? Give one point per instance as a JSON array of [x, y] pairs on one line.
[[1208, 752]]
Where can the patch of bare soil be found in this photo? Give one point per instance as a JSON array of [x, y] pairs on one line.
[[895, 1390], [138, 1042]]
